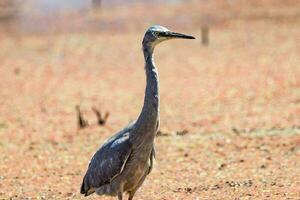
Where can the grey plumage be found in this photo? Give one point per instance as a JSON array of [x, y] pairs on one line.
[[124, 161]]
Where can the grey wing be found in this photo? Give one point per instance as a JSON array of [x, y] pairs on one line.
[[107, 163]]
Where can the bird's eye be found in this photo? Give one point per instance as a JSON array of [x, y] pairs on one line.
[[156, 33]]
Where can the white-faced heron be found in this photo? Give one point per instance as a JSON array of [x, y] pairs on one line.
[[124, 161]]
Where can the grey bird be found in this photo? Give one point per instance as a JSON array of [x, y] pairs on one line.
[[123, 162]]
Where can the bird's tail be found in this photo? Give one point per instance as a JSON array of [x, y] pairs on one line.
[[84, 188]]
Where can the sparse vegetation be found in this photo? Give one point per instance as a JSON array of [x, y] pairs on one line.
[[229, 111]]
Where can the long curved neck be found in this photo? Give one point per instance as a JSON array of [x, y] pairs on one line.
[[149, 116]]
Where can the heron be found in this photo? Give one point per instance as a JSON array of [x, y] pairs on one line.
[[124, 160]]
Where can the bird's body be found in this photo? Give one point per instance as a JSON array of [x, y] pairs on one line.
[[124, 161], [119, 164]]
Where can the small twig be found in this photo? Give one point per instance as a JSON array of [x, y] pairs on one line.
[[101, 120], [96, 4], [182, 133], [205, 35], [162, 133], [82, 123]]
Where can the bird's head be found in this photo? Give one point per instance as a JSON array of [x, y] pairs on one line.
[[157, 34]]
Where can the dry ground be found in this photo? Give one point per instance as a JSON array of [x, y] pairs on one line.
[[238, 100]]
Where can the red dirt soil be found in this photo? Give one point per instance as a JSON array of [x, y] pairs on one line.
[[230, 126]]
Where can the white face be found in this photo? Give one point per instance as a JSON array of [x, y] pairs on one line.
[[155, 30], [153, 34]]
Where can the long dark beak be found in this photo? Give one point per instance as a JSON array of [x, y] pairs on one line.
[[176, 35]]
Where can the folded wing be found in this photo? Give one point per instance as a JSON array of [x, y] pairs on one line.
[[107, 163]]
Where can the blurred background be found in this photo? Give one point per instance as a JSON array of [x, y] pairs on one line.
[[224, 97]]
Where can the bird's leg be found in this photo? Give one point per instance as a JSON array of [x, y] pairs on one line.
[[120, 196], [131, 194]]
